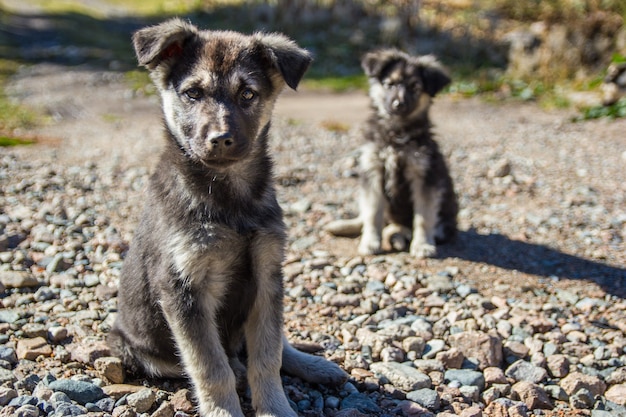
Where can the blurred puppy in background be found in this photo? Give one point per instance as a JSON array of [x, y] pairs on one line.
[[407, 197]]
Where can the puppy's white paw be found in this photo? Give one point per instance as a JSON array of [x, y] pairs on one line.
[[369, 246], [423, 250]]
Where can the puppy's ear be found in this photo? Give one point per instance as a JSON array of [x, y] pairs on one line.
[[434, 76], [373, 63], [156, 44], [286, 56]]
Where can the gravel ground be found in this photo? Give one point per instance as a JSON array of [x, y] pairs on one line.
[[525, 315]]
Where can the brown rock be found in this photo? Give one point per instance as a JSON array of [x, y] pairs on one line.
[[117, 391], [30, 349], [181, 401], [486, 348], [451, 359], [494, 375], [473, 411], [617, 394], [532, 395], [517, 349], [164, 410], [110, 368], [89, 352], [558, 365], [496, 409], [18, 279], [577, 380]]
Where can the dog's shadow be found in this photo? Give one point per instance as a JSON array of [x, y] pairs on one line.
[[504, 252]]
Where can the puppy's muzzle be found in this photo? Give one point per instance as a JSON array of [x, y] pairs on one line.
[[219, 144]]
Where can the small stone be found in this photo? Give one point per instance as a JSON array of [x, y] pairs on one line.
[[57, 334], [617, 394], [391, 354], [31, 349], [425, 397], [402, 376], [451, 358], [526, 371], [18, 279], [8, 354], [466, 377], [117, 391], [500, 168], [181, 401], [494, 375], [413, 409], [414, 344], [80, 391], [88, 352], [473, 411], [361, 402], [486, 348], [582, 399], [142, 400], [532, 395], [27, 410], [433, 347], [558, 365], [573, 382], [164, 410], [6, 395], [110, 368]]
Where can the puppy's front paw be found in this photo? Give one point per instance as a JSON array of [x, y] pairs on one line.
[[423, 250], [369, 246]]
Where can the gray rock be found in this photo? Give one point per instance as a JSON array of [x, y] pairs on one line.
[[466, 377], [425, 397], [6, 376], [80, 391], [360, 402], [526, 371], [28, 410], [141, 400], [402, 376], [9, 316], [8, 354]]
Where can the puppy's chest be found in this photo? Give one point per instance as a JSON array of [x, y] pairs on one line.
[[402, 165]]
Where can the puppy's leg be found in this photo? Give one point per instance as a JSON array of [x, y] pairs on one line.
[[263, 329], [371, 201], [192, 320], [425, 210], [311, 368], [397, 236]]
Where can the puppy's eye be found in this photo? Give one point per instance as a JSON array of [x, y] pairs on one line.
[[247, 94], [194, 93]]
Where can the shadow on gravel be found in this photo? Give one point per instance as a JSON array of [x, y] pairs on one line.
[[503, 252]]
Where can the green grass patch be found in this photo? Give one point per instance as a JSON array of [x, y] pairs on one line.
[[613, 111], [11, 141]]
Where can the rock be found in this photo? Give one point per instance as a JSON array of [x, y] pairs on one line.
[[181, 401], [164, 410], [117, 391], [486, 348], [466, 377], [526, 371], [142, 400], [452, 358], [617, 394], [80, 391], [433, 347], [573, 382], [532, 395], [473, 411], [558, 365], [412, 409], [18, 279], [494, 375], [9, 316], [402, 376], [57, 334], [89, 351], [31, 349], [8, 354], [425, 397], [501, 168], [6, 395], [360, 402], [110, 368], [27, 410]]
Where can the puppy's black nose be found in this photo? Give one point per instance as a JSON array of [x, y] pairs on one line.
[[221, 140]]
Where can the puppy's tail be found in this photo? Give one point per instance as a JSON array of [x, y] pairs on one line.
[[310, 368], [345, 227]]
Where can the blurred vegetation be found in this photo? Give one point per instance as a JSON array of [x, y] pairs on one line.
[[468, 36]]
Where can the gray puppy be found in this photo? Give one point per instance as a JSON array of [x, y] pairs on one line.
[[405, 183], [202, 286]]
